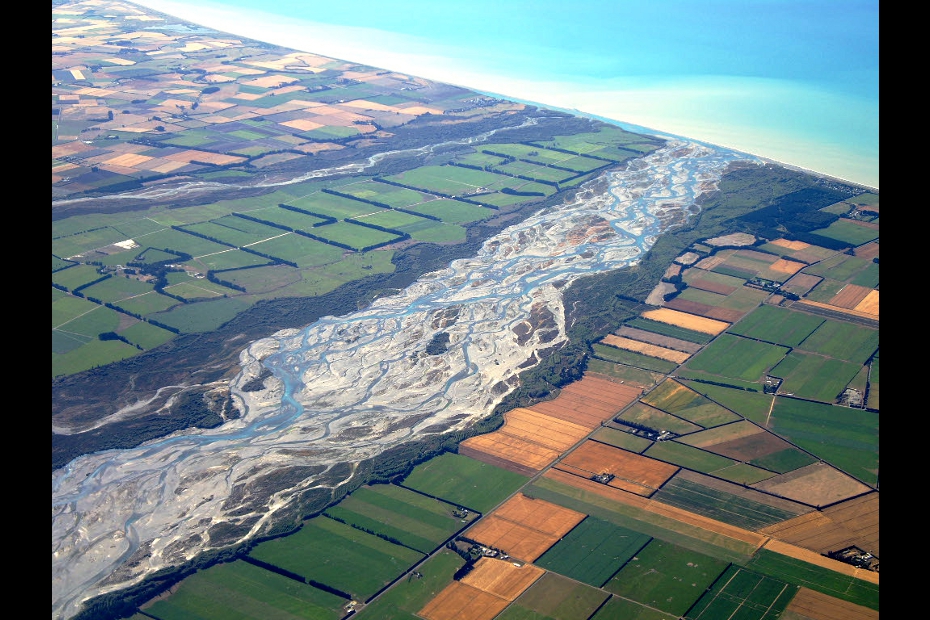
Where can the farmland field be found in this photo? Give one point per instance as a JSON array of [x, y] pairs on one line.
[[414, 520], [744, 595], [813, 376], [752, 405], [675, 398], [777, 325], [408, 596], [731, 503], [555, 597], [617, 608], [329, 552], [657, 419], [737, 358], [464, 481], [669, 330], [687, 456], [243, 591], [846, 438], [665, 576], [844, 341], [631, 358], [593, 551], [801, 573]]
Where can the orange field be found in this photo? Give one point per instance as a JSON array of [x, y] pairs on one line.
[[818, 606], [786, 266], [869, 305], [645, 474], [542, 429], [791, 245], [688, 321], [645, 348], [528, 438], [459, 601], [517, 541], [589, 401], [499, 446], [866, 315], [524, 528], [850, 296], [483, 593]]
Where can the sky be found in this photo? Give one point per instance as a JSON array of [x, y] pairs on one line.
[[795, 81]]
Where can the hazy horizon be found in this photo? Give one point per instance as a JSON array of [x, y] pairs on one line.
[[791, 81]]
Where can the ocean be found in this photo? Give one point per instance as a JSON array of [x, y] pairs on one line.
[[794, 81]]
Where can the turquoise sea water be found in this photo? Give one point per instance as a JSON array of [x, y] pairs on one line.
[[791, 80]]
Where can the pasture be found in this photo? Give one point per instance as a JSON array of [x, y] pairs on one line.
[[201, 317], [846, 438], [849, 231], [687, 456], [593, 551], [843, 341], [666, 576], [731, 504], [740, 593], [617, 608], [452, 211], [330, 552], [413, 520], [555, 597], [622, 372], [451, 180], [800, 573], [813, 376], [464, 481], [738, 358], [244, 591], [409, 595], [777, 325]]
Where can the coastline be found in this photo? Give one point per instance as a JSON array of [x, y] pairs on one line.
[[699, 108]]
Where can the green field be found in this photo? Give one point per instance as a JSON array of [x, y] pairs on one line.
[[751, 405], [849, 232], [743, 473], [846, 438], [842, 267], [621, 609], [800, 573], [201, 317], [398, 514], [622, 372], [451, 180], [286, 217], [593, 551], [353, 235], [777, 325], [464, 481], [738, 358], [243, 591], [688, 456], [688, 404], [665, 576], [740, 594], [640, 520], [722, 506], [813, 376], [843, 341], [556, 598], [410, 595], [872, 399], [331, 553], [620, 439], [657, 420], [452, 211]]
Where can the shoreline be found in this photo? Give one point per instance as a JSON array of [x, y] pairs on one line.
[[423, 59]]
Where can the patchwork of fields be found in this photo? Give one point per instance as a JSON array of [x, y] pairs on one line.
[[705, 492]]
